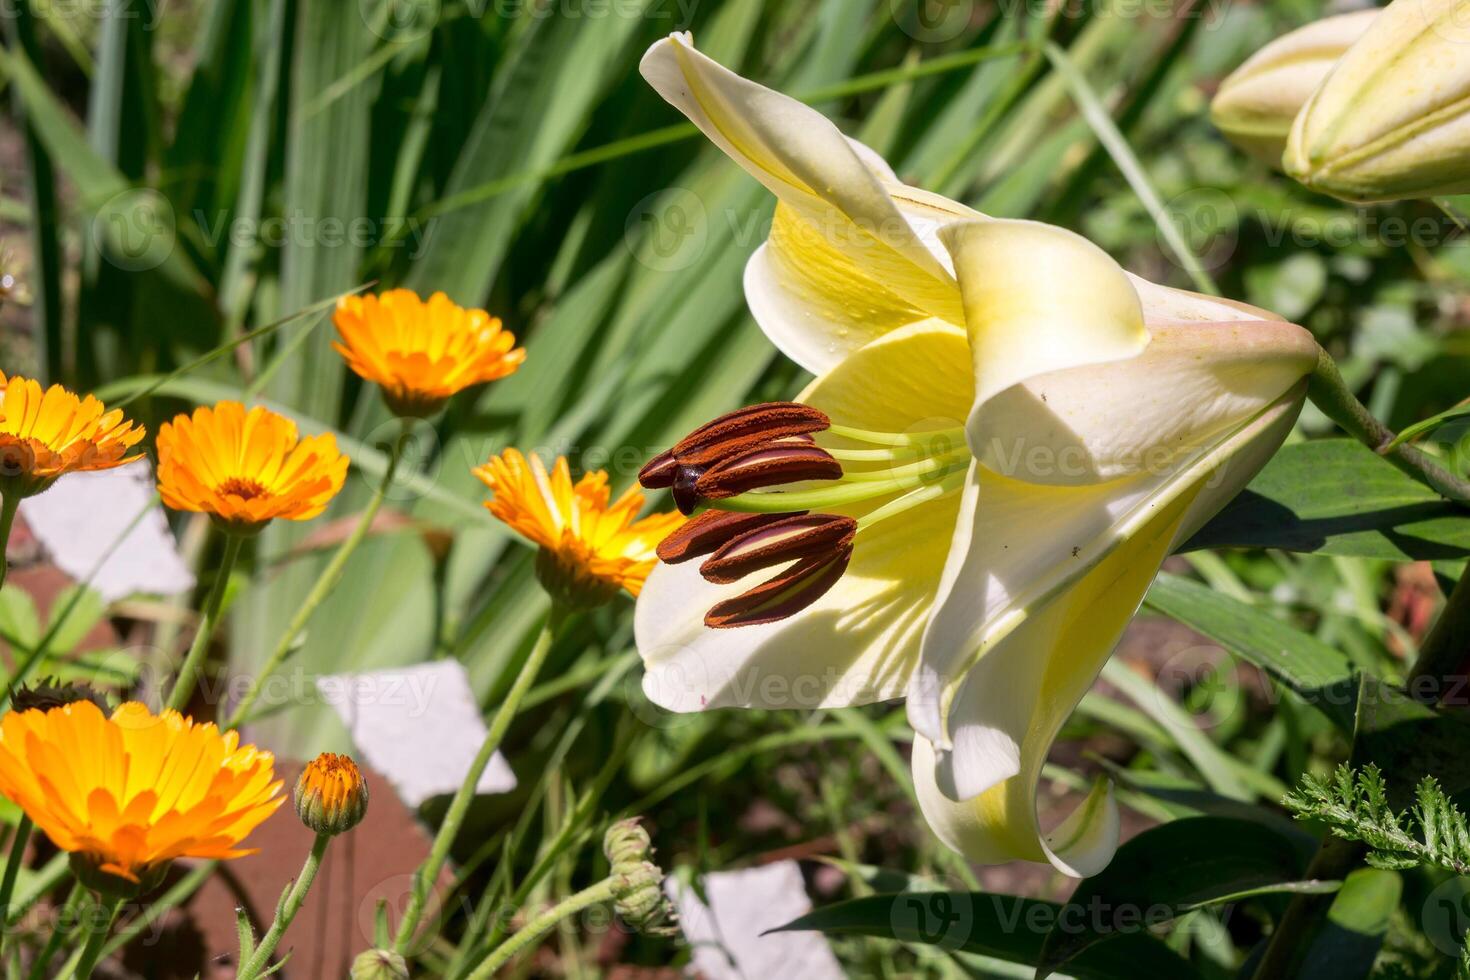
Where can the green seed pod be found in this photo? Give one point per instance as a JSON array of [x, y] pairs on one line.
[[379, 964], [638, 895]]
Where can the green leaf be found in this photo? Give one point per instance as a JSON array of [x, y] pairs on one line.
[[1427, 426], [1006, 927], [1336, 497], [1348, 942], [1172, 869], [1316, 672]]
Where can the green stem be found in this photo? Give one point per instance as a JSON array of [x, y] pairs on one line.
[[12, 871], [86, 959], [1331, 394], [541, 925], [8, 507], [183, 690], [325, 583], [58, 935], [428, 872], [290, 905]]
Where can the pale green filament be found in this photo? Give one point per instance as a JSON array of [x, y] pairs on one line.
[[901, 439], [842, 492], [952, 482]]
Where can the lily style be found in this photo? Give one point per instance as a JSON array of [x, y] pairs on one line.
[[1007, 435]]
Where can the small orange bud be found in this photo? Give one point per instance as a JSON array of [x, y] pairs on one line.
[[331, 796]]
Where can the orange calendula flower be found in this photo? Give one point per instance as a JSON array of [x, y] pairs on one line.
[[421, 353], [127, 794], [589, 547], [245, 468], [331, 796], [45, 434]]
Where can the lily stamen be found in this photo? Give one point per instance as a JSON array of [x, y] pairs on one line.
[[955, 436]]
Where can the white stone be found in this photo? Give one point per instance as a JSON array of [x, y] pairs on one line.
[[726, 934], [84, 514], [420, 726]]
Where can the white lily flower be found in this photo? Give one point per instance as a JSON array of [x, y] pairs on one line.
[[1021, 432]]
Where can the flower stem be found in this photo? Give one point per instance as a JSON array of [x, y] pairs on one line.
[[86, 959], [12, 871], [325, 583], [1330, 393], [8, 507], [291, 904], [428, 872], [542, 924], [183, 690]]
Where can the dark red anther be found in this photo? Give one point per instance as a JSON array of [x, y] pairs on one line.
[[659, 473], [789, 539], [767, 466], [783, 596], [747, 428], [705, 534], [686, 498]]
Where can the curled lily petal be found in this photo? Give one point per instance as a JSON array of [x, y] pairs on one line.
[[829, 187], [1038, 299], [988, 721]]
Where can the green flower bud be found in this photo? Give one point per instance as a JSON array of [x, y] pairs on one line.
[[331, 796], [379, 964], [638, 894], [47, 693], [1390, 121], [1256, 105]]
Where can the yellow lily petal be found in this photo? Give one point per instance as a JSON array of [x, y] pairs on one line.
[[810, 166], [860, 641], [1038, 299]]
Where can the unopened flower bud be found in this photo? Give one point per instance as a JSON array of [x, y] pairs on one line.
[[1391, 120], [48, 693], [331, 796], [379, 964], [1256, 105], [638, 894]]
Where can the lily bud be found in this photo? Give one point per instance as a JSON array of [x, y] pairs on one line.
[[638, 894], [331, 796], [1256, 105], [379, 964], [1390, 121]]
